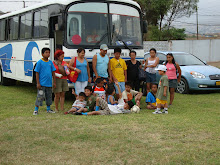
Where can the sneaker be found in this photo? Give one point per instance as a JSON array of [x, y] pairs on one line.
[[165, 111], [78, 113], [35, 113], [65, 113], [157, 112], [51, 111]]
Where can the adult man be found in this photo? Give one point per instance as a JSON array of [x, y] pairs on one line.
[[101, 64]]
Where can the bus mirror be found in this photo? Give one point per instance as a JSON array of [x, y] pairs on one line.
[[60, 22], [144, 26]]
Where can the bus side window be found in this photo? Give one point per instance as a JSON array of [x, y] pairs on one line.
[[41, 23], [2, 32], [13, 23]]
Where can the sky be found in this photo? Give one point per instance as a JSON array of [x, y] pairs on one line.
[[209, 14]]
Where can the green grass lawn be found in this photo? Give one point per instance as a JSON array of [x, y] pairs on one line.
[[189, 134]]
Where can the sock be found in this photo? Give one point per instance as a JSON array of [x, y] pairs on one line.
[[166, 109], [96, 108], [48, 108], [158, 109], [36, 108], [84, 113]]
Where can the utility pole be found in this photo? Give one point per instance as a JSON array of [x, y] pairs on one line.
[[197, 22]]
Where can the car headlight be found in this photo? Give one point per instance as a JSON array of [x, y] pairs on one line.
[[197, 75]]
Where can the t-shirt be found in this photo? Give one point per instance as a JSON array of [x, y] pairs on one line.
[[164, 82], [100, 92], [102, 65], [45, 69], [91, 102], [83, 75], [78, 103], [119, 108], [133, 70], [129, 96], [150, 98], [57, 69], [118, 67], [171, 71]]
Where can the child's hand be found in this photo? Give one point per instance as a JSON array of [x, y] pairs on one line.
[[165, 94], [38, 86]]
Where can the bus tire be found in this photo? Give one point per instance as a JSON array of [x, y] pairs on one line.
[[6, 81]]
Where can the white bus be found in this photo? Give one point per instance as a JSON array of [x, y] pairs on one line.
[[67, 25]]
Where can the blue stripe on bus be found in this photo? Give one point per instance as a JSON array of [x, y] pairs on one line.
[[125, 58]]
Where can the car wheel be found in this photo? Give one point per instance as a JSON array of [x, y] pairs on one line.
[[182, 86]]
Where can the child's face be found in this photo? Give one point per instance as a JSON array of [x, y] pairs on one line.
[[127, 88], [88, 92], [161, 72], [154, 88], [101, 84], [152, 53], [126, 106], [60, 58], [81, 98], [46, 54], [117, 55], [169, 58]]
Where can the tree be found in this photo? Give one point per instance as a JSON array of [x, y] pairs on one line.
[[157, 11]]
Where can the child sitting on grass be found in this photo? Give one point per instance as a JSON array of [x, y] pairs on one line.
[[99, 89], [131, 95], [110, 93], [78, 105], [103, 108], [151, 97], [162, 92]]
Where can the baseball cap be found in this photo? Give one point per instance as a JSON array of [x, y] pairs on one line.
[[104, 47], [161, 67]]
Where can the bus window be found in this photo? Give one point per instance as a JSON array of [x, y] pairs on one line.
[[13, 33], [41, 23], [89, 21], [2, 32], [127, 25], [22, 27], [28, 25]]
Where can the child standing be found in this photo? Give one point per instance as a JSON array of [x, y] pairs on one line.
[[45, 70], [99, 89], [119, 70], [151, 97], [131, 95], [78, 105], [162, 92]]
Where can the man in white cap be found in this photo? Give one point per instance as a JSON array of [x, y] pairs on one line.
[[162, 92], [101, 64]]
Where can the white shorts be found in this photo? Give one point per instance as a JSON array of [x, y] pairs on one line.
[[80, 86]]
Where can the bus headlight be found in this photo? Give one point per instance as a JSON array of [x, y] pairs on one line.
[[197, 75]]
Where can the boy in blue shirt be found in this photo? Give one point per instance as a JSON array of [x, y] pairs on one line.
[[151, 97], [45, 70]]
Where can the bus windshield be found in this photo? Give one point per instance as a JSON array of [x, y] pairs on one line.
[[90, 23]]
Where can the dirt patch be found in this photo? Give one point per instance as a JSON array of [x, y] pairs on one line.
[[216, 64]]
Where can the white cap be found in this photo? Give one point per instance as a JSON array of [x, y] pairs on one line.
[[104, 47], [162, 68]]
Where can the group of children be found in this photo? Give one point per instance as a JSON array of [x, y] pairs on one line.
[[100, 99]]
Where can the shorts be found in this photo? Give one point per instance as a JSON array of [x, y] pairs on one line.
[[121, 86], [104, 107], [77, 108], [133, 101], [45, 93], [154, 104], [61, 86], [150, 77], [161, 101], [173, 83]]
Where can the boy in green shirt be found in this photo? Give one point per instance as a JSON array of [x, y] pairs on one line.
[[162, 92]]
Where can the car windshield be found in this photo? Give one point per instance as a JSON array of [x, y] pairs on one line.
[[187, 59]]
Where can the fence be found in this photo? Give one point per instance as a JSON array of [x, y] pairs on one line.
[[206, 50]]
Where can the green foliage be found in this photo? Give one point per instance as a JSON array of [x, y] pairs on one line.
[[154, 34]]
